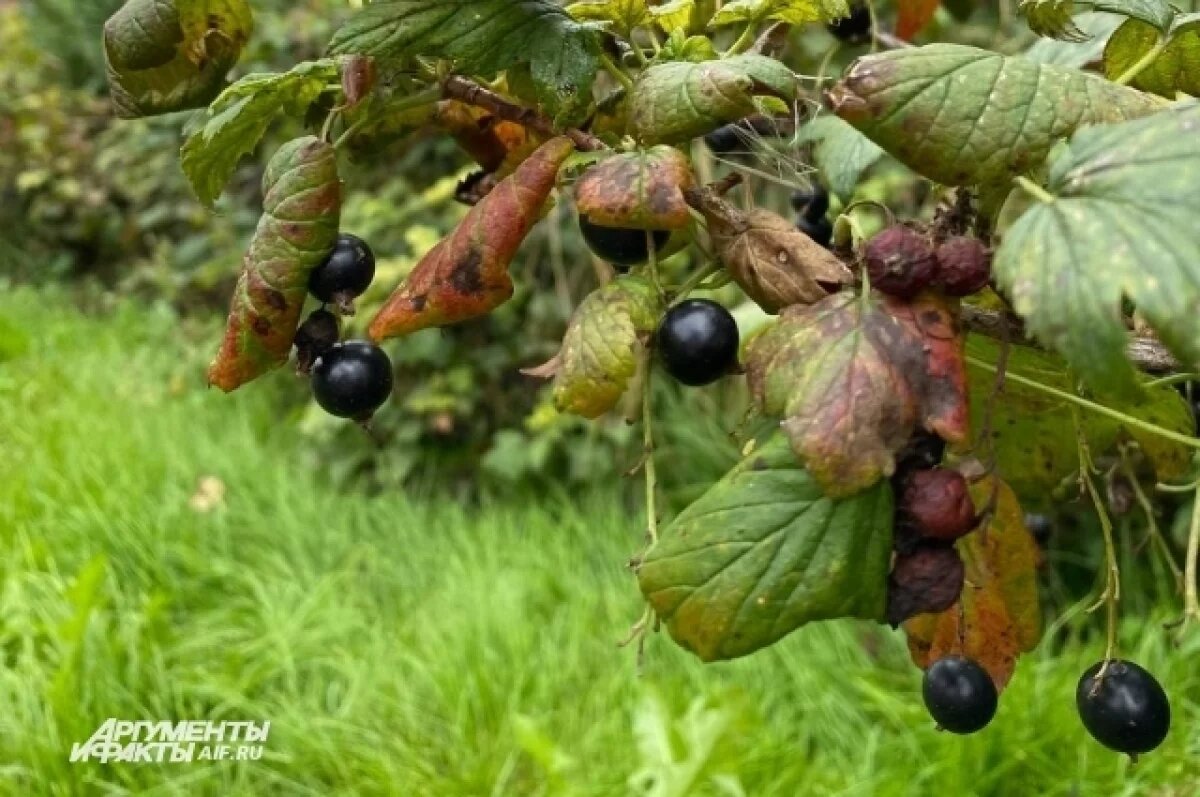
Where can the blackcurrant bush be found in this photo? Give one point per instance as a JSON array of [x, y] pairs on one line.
[[900, 261], [819, 229], [854, 29], [938, 503], [959, 694], [621, 246], [698, 341], [1125, 710], [964, 265], [317, 335], [345, 273], [352, 379]]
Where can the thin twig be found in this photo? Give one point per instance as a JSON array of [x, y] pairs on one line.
[[465, 90]]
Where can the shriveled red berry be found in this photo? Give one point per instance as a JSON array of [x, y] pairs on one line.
[[928, 579], [964, 265], [938, 504], [900, 262]]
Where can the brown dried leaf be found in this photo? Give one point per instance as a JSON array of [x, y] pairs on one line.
[[773, 262], [997, 617], [852, 379], [466, 274], [642, 190], [497, 145]]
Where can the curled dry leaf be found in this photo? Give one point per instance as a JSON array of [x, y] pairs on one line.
[[497, 145], [601, 347], [358, 78], [642, 190], [466, 274], [853, 377], [302, 200], [997, 616], [773, 262]]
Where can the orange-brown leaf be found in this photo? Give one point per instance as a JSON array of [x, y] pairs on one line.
[[466, 274], [642, 190], [913, 15], [497, 145], [997, 617]]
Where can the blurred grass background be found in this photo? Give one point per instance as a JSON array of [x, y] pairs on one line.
[[436, 615], [170, 555]]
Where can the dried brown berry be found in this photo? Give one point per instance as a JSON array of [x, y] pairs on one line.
[[964, 265], [900, 262], [938, 504], [929, 579], [316, 335]]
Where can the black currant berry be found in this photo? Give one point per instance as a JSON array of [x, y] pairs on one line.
[[924, 450], [698, 341], [938, 503], [621, 246], [725, 139], [959, 694], [964, 265], [819, 229], [346, 272], [317, 335], [854, 29], [352, 379], [1040, 526], [900, 262], [1126, 710]]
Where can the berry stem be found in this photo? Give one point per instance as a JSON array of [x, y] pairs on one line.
[[1153, 531], [1142, 63], [1112, 576], [648, 451], [743, 41], [617, 73], [694, 280], [1099, 409], [1191, 602]]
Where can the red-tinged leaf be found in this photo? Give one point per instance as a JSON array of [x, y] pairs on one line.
[[913, 15], [642, 190], [302, 199], [466, 274], [358, 78], [852, 379], [997, 617], [497, 145]]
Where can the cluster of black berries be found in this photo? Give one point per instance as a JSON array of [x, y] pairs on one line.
[[697, 339], [902, 262], [350, 379], [811, 208]]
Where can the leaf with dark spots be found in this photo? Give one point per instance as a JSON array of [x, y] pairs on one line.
[[997, 617], [853, 378], [773, 262], [765, 551], [642, 190], [466, 274], [299, 226]]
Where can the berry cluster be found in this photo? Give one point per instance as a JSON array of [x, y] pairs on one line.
[[811, 207], [902, 262], [350, 379]]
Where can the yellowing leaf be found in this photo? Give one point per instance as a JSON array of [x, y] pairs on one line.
[[796, 12], [765, 551], [625, 15], [997, 617], [1175, 69]]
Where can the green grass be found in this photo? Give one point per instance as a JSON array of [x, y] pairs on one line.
[[402, 645]]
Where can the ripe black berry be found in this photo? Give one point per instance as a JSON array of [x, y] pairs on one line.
[[819, 229], [698, 341], [346, 272], [352, 379], [959, 694], [621, 246], [900, 262], [1126, 710], [964, 265], [924, 450], [1040, 526], [854, 29], [938, 503], [813, 202], [317, 335], [725, 139]]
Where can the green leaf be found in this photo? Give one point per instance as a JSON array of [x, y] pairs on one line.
[[236, 121], [602, 346], [677, 101], [841, 153], [486, 37], [1097, 27], [1122, 224], [853, 378], [674, 15], [623, 15], [1054, 18], [763, 552], [1175, 69], [796, 12], [171, 55], [681, 47], [1032, 434], [961, 116]]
